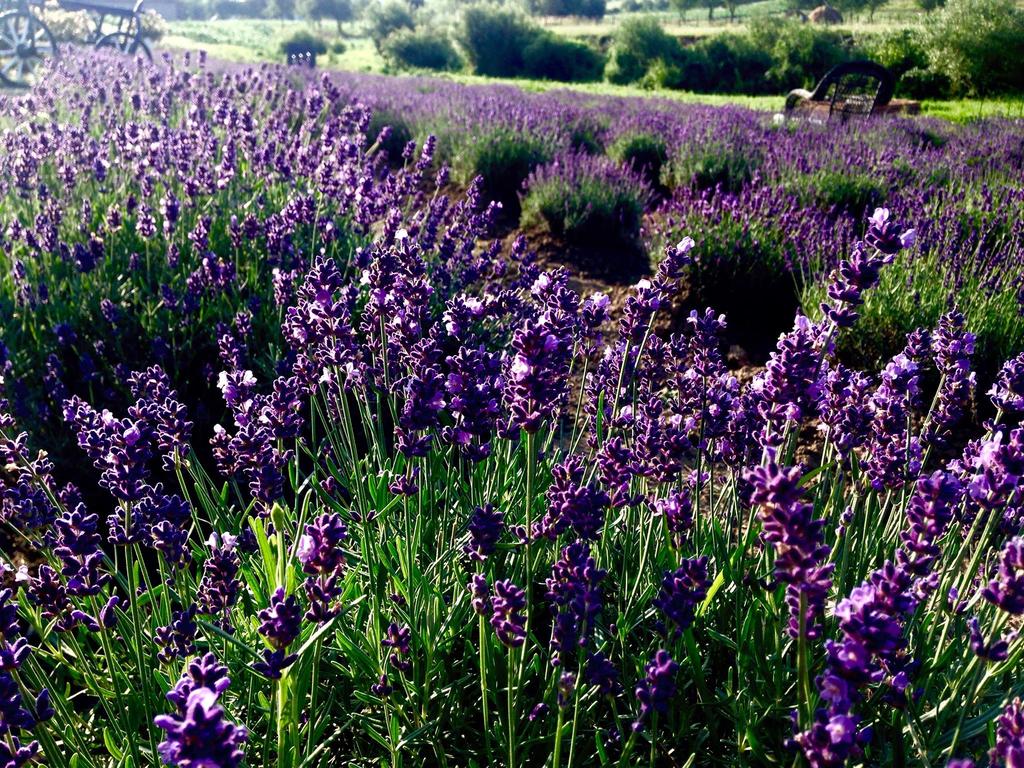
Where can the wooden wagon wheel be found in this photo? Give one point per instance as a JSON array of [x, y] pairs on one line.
[[24, 42], [125, 42]]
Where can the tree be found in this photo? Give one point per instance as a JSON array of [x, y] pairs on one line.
[[978, 45], [338, 11], [850, 7], [388, 17], [872, 6], [591, 9], [682, 6], [280, 9]]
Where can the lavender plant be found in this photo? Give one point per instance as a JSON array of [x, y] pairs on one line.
[[464, 516]]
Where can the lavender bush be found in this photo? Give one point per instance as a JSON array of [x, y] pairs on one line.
[[587, 199], [461, 515]]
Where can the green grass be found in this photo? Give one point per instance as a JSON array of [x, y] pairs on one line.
[[256, 40]]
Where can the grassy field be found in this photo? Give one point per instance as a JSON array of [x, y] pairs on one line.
[[256, 40]]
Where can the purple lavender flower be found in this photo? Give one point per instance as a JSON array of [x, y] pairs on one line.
[[952, 346], [574, 590], [845, 410], [885, 235], [677, 510], [485, 528], [895, 455], [473, 395], [507, 605], [218, 588], [198, 733], [788, 388], [399, 640], [481, 594], [177, 639], [798, 538], [15, 714], [571, 504], [78, 547], [929, 513], [566, 689], [323, 559], [1006, 589], [656, 690], [537, 371], [1007, 393], [682, 590], [852, 278], [280, 623], [997, 650], [1009, 748], [602, 674]]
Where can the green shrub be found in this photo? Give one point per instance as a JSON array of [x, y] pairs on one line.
[[302, 44], [385, 19], [909, 296], [741, 261], [588, 9], [587, 200], [924, 84], [727, 166], [978, 45], [503, 43], [726, 63], [645, 153], [504, 158], [638, 44], [903, 51], [843, 192], [551, 57], [494, 40], [399, 135], [900, 50], [586, 134], [421, 49], [800, 53]]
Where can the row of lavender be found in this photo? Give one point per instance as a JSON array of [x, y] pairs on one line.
[[410, 537], [776, 203]]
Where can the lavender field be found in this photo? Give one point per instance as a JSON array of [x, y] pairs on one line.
[[351, 421]]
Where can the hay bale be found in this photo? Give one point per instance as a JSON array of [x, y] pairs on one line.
[[825, 14]]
